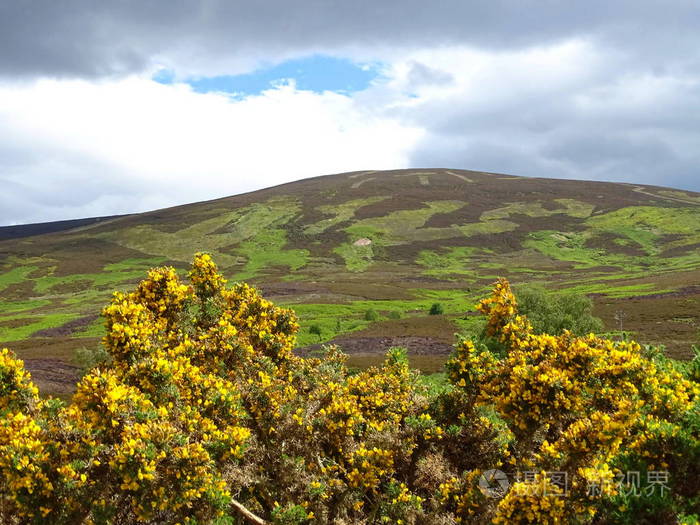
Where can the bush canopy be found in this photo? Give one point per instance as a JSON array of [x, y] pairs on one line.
[[203, 414]]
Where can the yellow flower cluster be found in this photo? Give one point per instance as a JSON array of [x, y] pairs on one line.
[[537, 501], [204, 401], [146, 436], [205, 276], [469, 367], [369, 467], [463, 497], [16, 388], [583, 395]]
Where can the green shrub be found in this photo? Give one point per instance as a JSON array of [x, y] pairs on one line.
[[371, 315], [89, 358], [552, 313], [316, 330], [437, 309]]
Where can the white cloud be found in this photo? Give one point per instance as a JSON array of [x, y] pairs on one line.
[[133, 144], [574, 108]]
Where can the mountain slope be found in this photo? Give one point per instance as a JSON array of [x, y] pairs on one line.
[[394, 241]]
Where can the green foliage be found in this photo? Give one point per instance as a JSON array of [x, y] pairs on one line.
[[316, 330], [694, 365], [357, 258], [289, 515], [456, 261], [404, 226], [15, 275], [645, 225], [28, 325], [434, 384], [436, 309], [205, 415], [552, 313], [267, 249], [371, 315], [569, 207], [89, 358], [339, 213]]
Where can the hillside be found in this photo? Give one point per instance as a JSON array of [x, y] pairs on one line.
[[425, 236]]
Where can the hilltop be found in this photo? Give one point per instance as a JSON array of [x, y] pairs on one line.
[[336, 246]]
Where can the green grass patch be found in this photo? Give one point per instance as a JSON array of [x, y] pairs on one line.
[[267, 249], [339, 319], [571, 246], [142, 265], [94, 329], [675, 194], [646, 225], [45, 284], [356, 258], [487, 227], [339, 213], [434, 384], [332, 319], [225, 229], [15, 275], [571, 207], [34, 324], [22, 306], [405, 226], [455, 261]]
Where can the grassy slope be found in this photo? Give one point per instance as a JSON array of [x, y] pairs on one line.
[[437, 236]]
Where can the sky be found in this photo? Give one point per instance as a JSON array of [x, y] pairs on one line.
[[121, 107]]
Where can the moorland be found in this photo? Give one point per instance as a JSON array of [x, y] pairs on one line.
[[361, 257]]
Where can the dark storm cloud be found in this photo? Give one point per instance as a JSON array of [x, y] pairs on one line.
[[88, 38]]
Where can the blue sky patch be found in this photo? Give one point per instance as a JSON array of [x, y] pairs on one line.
[[314, 73]]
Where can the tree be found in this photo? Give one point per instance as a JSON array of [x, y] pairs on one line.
[[552, 313]]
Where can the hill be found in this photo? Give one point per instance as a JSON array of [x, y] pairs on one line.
[[395, 242], [28, 230]]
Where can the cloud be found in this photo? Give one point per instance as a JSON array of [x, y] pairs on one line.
[[590, 90], [568, 110], [213, 37], [83, 148]]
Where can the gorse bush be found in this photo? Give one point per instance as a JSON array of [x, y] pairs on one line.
[[203, 414]]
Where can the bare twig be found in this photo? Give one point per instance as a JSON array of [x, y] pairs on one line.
[[249, 516]]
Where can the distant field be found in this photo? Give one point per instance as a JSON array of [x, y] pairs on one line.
[[426, 236]]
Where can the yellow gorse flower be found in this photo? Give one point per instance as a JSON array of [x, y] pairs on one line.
[[204, 401]]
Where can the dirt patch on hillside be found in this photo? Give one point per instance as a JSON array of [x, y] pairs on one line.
[[53, 376], [67, 329], [15, 323], [671, 319], [606, 241], [50, 361]]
